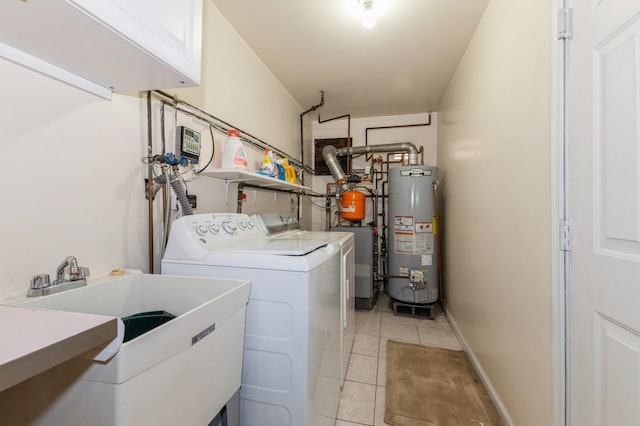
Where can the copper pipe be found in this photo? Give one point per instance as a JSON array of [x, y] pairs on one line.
[[328, 211]]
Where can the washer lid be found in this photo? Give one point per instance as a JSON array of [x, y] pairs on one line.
[[281, 246]]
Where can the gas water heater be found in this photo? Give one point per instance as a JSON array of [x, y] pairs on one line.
[[412, 229]]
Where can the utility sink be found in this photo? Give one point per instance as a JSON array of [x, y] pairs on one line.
[[183, 371]]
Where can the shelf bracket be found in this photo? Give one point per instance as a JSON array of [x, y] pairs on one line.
[[228, 182], [226, 192]]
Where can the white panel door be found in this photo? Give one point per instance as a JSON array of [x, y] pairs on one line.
[[604, 203]]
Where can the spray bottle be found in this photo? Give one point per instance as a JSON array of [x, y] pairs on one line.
[[267, 168], [234, 156]]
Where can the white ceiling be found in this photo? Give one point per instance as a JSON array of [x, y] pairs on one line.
[[402, 65]]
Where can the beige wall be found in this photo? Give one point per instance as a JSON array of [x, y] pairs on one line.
[[494, 155], [238, 88], [72, 174]]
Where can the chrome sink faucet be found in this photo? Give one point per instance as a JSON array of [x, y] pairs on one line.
[[41, 285], [75, 272]]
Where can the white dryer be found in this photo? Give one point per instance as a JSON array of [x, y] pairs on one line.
[[286, 226], [291, 367]]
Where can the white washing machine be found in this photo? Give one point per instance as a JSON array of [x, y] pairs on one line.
[[291, 365], [286, 226]]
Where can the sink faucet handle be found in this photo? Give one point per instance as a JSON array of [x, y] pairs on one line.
[[71, 263], [78, 273], [83, 272], [75, 272], [40, 281]]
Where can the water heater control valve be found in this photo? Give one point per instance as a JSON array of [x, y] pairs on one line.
[[417, 277]]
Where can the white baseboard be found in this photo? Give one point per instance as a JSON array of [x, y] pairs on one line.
[[502, 410]]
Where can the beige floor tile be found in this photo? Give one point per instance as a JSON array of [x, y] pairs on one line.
[[320, 420], [362, 368], [391, 330], [367, 328], [423, 322], [363, 397], [357, 403], [381, 380], [442, 321], [439, 321], [398, 319], [365, 313], [367, 325], [365, 344], [379, 414], [385, 304], [440, 337]]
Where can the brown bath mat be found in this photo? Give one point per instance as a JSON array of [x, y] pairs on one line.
[[429, 386]]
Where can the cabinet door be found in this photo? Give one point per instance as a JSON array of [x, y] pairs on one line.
[[106, 45], [169, 30]]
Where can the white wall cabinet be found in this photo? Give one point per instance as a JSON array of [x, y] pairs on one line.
[[105, 45]]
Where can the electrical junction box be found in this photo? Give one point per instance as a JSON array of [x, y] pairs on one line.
[[193, 200], [188, 143]]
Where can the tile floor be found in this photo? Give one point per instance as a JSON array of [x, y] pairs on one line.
[[362, 400]]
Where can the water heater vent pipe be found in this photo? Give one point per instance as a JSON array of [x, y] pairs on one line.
[[331, 154]]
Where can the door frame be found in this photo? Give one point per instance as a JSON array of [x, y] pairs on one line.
[[559, 210]]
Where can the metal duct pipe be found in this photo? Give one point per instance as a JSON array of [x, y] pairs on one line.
[[331, 154]]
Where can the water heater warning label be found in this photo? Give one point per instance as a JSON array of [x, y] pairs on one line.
[[404, 236], [424, 227], [410, 237], [404, 222], [424, 244]]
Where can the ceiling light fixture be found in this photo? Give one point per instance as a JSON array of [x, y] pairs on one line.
[[369, 14]]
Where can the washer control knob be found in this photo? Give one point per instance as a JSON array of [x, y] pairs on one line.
[[201, 229], [249, 224], [229, 227], [242, 226], [214, 228]]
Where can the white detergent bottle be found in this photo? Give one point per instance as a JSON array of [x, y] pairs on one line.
[[234, 156]]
